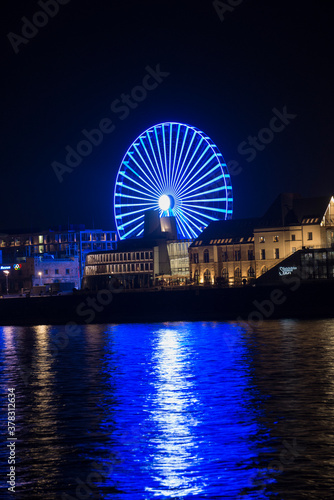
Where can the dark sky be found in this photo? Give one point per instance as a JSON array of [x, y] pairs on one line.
[[224, 76]]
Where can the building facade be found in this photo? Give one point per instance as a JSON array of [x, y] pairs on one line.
[[240, 251], [74, 242], [157, 258]]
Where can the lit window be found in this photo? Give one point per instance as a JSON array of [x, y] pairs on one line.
[[275, 239], [262, 239]]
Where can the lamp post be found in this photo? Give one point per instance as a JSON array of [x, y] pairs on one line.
[[7, 274], [40, 277]]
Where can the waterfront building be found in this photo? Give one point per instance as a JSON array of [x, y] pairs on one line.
[[233, 252], [75, 241], [40, 271], [157, 258]]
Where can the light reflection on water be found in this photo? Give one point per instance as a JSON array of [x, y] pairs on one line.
[[179, 410]]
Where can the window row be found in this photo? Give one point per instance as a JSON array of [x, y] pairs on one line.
[[120, 268], [119, 257]]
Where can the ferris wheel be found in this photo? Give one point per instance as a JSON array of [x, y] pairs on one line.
[[176, 169]]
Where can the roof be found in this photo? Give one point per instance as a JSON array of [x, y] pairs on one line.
[[291, 209], [222, 229]]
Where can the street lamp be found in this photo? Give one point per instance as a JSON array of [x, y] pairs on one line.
[[40, 277], [6, 273]]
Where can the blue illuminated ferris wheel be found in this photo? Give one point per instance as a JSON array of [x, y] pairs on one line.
[[176, 169]]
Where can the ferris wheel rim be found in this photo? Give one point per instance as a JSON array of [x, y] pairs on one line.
[[167, 180]]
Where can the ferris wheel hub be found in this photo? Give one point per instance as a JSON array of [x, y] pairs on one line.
[[166, 202]]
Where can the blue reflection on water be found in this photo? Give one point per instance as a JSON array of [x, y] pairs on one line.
[[164, 410], [186, 422]]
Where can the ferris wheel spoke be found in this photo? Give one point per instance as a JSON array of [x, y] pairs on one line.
[[136, 190], [130, 222], [195, 177], [180, 156], [132, 230], [186, 155], [165, 156], [184, 226], [157, 176], [152, 187], [138, 184], [175, 152], [201, 214], [191, 223], [170, 153], [214, 190], [151, 179], [186, 171], [161, 162], [211, 181], [204, 200], [132, 212], [203, 207], [121, 195], [156, 161]]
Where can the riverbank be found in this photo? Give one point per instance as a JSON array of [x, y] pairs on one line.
[[306, 300]]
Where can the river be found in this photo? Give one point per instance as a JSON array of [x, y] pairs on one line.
[[168, 410]]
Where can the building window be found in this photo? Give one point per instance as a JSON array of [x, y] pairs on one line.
[[207, 276], [137, 255], [276, 253], [310, 236], [146, 255], [224, 256], [293, 237], [293, 249], [262, 239], [56, 271], [237, 255], [250, 255], [151, 255], [237, 272], [142, 255], [142, 267], [46, 271], [251, 272], [264, 270], [121, 256], [275, 239], [225, 273], [206, 256], [262, 254], [195, 258], [196, 276], [146, 266]]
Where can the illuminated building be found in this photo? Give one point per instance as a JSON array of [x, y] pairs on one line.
[[157, 258], [238, 251], [61, 243]]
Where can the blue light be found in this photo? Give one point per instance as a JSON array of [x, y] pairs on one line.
[[177, 165]]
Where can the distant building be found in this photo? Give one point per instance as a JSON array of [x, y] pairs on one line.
[[40, 271], [233, 252], [157, 258], [62, 243]]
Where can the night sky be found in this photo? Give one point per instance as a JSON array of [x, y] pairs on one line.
[[227, 71]]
